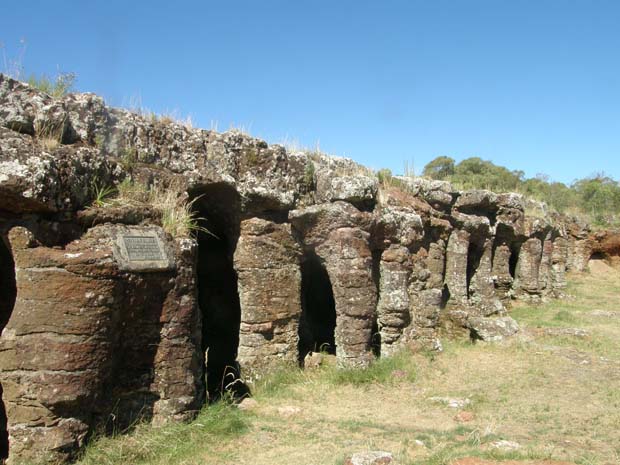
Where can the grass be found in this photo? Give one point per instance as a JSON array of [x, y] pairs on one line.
[[177, 214], [174, 442], [535, 390], [58, 87]]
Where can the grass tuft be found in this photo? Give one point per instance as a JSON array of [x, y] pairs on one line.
[[59, 87], [386, 370], [168, 444]]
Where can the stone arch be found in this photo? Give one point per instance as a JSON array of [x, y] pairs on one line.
[[317, 324], [8, 295], [217, 207]]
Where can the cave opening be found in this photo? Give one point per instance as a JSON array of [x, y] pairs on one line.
[[317, 324], [375, 341], [598, 256], [474, 255], [217, 208], [514, 259], [8, 295]]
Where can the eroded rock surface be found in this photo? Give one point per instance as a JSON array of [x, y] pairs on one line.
[[308, 258]]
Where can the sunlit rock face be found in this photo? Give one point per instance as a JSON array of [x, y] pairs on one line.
[[109, 315]]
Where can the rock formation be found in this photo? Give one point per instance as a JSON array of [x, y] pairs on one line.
[[107, 317]]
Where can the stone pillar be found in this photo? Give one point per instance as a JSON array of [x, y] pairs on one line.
[[481, 287], [580, 251], [89, 343], [501, 270], [456, 266], [348, 261], [559, 258], [425, 295], [544, 275], [393, 305], [528, 267], [179, 359], [269, 282], [56, 348]]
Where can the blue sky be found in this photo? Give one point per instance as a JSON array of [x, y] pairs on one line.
[[531, 85]]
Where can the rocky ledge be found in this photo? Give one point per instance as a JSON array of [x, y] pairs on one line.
[[107, 317]]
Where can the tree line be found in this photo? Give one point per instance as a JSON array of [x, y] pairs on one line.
[[596, 197]]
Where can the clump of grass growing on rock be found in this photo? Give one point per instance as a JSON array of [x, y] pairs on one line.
[[178, 217], [102, 194], [59, 87], [176, 212], [49, 134]]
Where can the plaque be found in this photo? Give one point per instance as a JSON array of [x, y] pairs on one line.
[[142, 248]]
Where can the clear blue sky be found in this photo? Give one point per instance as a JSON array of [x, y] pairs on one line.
[[531, 85]]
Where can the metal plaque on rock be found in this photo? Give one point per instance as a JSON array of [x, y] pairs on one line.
[[142, 249]]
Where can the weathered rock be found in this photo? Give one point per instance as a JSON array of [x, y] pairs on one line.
[[310, 253], [393, 306], [269, 280], [464, 417], [456, 266], [492, 329], [370, 458], [528, 268], [451, 402], [78, 347]]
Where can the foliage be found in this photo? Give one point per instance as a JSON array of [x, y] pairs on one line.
[[102, 193], [309, 173], [384, 176], [439, 168], [597, 197], [58, 87]]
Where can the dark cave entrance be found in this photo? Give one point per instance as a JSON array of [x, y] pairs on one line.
[[218, 208], [474, 255], [515, 249], [8, 295], [317, 324]]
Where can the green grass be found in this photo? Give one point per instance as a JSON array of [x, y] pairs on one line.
[[380, 371], [169, 444]]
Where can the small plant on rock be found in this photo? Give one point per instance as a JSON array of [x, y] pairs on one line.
[[59, 87], [102, 194]]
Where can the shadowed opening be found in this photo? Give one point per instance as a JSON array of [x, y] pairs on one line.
[[514, 259], [375, 341], [318, 316], [8, 294], [218, 207], [474, 255]]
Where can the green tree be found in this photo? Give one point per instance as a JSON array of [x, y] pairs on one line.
[[439, 168]]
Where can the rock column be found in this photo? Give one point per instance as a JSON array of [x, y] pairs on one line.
[[269, 282], [348, 261]]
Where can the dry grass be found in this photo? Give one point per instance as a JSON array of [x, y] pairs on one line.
[[176, 212], [558, 397]]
